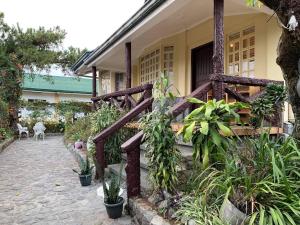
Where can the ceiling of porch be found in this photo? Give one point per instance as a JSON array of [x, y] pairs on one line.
[[173, 17]]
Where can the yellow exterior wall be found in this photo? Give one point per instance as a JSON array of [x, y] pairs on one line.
[[267, 36]]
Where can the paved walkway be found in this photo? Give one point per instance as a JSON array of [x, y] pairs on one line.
[[38, 186]]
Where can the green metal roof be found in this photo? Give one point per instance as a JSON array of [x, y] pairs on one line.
[[61, 84]]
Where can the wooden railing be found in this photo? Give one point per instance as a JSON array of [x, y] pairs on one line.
[[121, 99], [124, 99], [219, 84]]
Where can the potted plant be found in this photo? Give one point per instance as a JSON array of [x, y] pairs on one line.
[[112, 199], [85, 174]]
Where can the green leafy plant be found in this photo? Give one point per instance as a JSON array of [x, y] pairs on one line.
[[79, 130], [164, 158], [262, 179], [267, 104], [111, 191], [103, 118], [85, 168], [207, 127], [193, 208]]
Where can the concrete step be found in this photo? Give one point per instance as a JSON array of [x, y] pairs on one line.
[[186, 152]]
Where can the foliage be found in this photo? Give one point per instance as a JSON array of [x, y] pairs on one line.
[[160, 141], [52, 125], [111, 191], [192, 208], [103, 118], [85, 168], [5, 133], [262, 179], [79, 130], [267, 104], [206, 127], [29, 50], [73, 106], [4, 114]]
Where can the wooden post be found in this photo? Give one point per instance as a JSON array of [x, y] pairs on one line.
[[94, 85], [218, 56], [128, 64], [100, 157], [133, 173]]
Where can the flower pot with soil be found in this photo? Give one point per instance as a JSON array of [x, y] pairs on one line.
[[85, 174], [112, 199]]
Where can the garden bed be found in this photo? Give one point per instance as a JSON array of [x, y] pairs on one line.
[[4, 144]]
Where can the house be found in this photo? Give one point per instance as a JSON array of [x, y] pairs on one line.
[[176, 37], [54, 89], [208, 48]]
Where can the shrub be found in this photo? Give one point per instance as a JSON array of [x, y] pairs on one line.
[[267, 104], [164, 158], [5, 133], [103, 118], [262, 180], [206, 127], [79, 130]]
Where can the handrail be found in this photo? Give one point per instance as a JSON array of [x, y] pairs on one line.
[[175, 110], [124, 120], [132, 146], [243, 80], [130, 91]]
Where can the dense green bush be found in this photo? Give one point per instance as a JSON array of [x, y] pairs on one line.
[[5, 134], [52, 125], [103, 118], [4, 115], [268, 104], [262, 179], [79, 130]]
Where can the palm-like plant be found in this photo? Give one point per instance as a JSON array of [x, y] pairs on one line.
[[84, 165]]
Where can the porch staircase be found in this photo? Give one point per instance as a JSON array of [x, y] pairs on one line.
[[186, 164]]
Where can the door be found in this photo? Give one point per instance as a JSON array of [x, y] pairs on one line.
[[202, 65]]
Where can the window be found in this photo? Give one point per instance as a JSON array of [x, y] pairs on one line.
[[105, 83], [120, 81], [168, 59], [241, 53], [150, 67]]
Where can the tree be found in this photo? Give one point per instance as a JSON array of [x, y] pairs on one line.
[[30, 50], [288, 50]]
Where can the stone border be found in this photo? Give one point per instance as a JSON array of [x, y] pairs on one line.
[[144, 213], [6, 143]]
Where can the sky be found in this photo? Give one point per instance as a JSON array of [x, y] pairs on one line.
[[88, 23]]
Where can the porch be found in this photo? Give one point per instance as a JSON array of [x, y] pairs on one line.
[[169, 18]]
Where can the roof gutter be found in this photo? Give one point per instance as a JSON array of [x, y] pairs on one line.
[[148, 8]]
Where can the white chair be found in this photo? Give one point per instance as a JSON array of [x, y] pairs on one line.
[[39, 129], [22, 130]]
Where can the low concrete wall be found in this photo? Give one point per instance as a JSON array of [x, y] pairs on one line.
[[6, 143]]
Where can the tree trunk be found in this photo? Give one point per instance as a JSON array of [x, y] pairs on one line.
[[289, 52]]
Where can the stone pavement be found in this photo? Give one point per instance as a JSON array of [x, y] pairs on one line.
[[38, 186]]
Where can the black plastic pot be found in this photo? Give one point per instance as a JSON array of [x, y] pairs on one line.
[[114, 211], [85, 180]]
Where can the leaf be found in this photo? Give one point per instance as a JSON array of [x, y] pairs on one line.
[[204, 127], [189, 131], [225, 130], [216, 137], [195, 100]]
